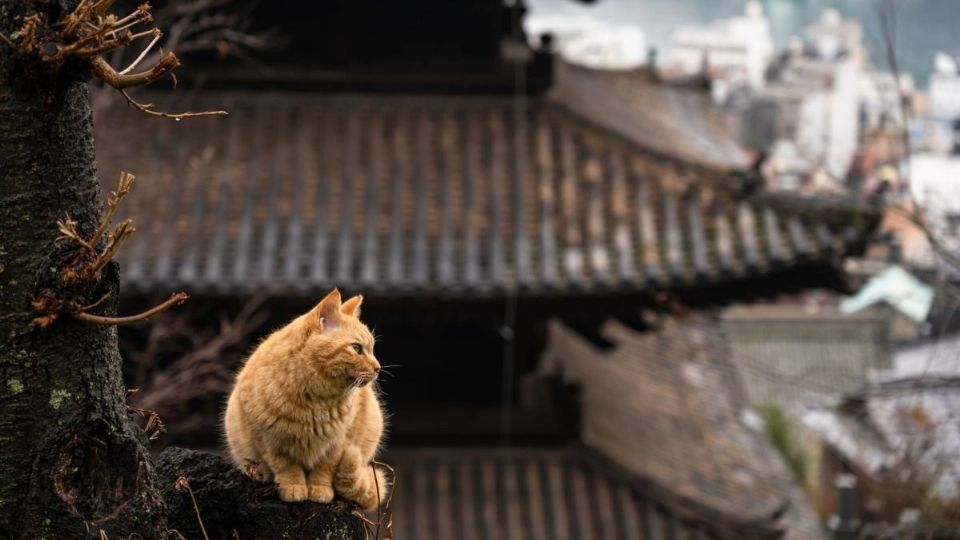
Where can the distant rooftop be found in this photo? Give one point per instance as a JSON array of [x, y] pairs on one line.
[[667, 406], [445, 195], [554, 493], [937, 358], [914, 417], [609, 183], [675, 121], [894, 287]]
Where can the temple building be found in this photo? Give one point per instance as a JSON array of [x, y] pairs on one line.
[[541, 246]]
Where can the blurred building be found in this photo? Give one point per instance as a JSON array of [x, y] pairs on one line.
[[815, 89], [476, 191], [880, 100], [944, 88], [586, 42], [804, 114], [934, 187], [931, 358], [791, 356], [900, 436], [734, 52], [834, 37], [675, 394], [901, 296]]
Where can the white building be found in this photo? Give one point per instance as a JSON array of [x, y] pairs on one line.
[[833, 37], [590, 43], [945, 88], [617, 47], [943, 119], [815, 87], [880, 98], [935, 183], [736, 50]]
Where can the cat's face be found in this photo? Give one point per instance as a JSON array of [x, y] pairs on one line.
[[339, 346]]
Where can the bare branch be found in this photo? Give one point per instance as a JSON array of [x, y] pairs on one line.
[[120, 235], [107, 74], [174, 300], [88, 33], [83, 270], [218, 26], [157, 35], [113, 202], [182, 484], [96, 304], [154, 426], [148, 109], [26, 36], [68, 231]]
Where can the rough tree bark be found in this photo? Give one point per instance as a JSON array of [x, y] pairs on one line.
[[71, 460]]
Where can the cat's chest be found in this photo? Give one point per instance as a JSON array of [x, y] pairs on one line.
[[329, 422], [307, 429], [317, 425]]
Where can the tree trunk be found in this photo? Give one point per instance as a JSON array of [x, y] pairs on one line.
[[72, 462]]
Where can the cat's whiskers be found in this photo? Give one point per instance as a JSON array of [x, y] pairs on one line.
[[385, 370]]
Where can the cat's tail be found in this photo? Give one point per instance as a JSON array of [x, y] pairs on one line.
[[383, 483], [367, 485]]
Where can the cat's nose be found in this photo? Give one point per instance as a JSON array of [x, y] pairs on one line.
[[376, 365]]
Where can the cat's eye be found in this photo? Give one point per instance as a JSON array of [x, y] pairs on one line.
[[357, 348]]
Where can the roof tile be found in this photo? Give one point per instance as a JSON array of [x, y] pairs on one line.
[[445, 194]]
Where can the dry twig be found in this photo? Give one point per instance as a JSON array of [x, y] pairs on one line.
[[182, 484], [89, 32], [68, 231], [221, 27], [175, 300], [384, 510], [154, 426], [87, 266], [148, 109]]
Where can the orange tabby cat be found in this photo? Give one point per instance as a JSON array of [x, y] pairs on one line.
[[304, 412]]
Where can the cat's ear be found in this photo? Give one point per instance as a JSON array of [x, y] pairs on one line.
[[327, 312], [352, 306]]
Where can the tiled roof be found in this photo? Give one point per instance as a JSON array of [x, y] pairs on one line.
[[465, 196], [897, 288], [912, 418], [536, 494], [667, 406], [677, 121], [939, 358]]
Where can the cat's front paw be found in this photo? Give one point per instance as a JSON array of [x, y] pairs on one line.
[[318, 493], [292, 492]]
